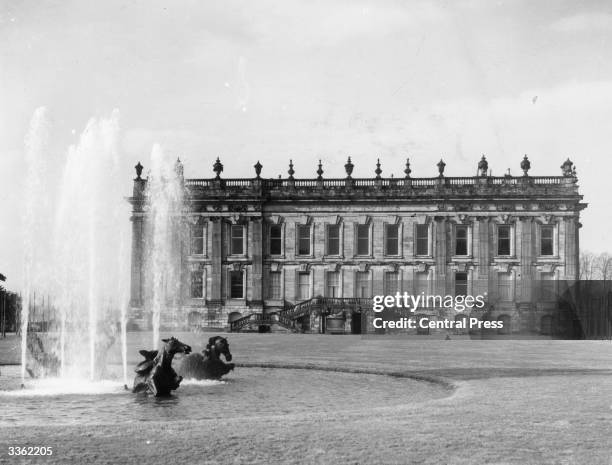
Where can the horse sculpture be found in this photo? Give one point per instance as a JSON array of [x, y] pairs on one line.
[[41, 363], [155, 374], [208, 364]]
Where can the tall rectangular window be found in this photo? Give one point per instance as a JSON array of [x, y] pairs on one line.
[[421, 283], [363, 285], [547, 240], [237, 239], [391, 283], [274, 285], [236, 284], [303, 231], [504, 286], [461, 284], [461, 240], [392, 239], [332, 286], [503, 239], [303, 286], [548, 286], [363, 239], [333, 239], [197, 239], [276, 239], [197, 285], [422, 239]]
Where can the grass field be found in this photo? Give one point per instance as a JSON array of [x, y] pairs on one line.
[[519, 402]]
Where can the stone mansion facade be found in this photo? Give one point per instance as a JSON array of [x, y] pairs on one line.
[[253, 252]]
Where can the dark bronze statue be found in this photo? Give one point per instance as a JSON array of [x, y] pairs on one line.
[[208, 364], [41, 363], [155, 374]]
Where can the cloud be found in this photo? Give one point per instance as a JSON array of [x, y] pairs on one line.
[[589, 22]]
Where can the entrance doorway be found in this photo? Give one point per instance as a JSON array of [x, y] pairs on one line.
[[355, 322]]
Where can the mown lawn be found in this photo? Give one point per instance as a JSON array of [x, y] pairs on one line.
[[519, 402]]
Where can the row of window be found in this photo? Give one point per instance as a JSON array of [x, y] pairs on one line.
[[363, 284], [363, 239]]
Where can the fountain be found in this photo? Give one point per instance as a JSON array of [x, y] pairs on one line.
[[75, 236], [35, 143], [76, 246], [165, 205]]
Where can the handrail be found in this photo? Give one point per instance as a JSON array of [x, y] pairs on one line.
[[362, 183], [288, 315]]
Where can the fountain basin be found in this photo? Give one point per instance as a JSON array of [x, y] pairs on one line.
[[246, 392]]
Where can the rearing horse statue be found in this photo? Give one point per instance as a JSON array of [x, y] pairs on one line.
[[155, 374], [208, 364]]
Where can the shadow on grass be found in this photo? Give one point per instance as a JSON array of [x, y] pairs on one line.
[[441, 376]]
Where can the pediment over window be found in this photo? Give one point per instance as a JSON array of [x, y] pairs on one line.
[[276, 219], [304, 267], [503, 267], [422, 267], [364, 219], [547, 268], [334, 267], [423, 219], [304, 219], [275, 266]]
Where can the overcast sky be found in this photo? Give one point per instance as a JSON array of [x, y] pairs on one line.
[[269, 81]]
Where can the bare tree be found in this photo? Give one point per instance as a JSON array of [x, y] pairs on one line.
[[595, 266], [603, 266], [587, 260]]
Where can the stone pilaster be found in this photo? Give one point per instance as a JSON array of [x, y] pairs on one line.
[[216, 259], [571, 248], [256, 252], [526, 253], [441, 254]]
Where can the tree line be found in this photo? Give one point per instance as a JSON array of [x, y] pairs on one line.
[[595, 266]]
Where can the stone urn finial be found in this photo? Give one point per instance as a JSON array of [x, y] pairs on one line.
[[291, 171], [320, 170], [441, 165], [567, 168], [525, 165], [349, 167], [178, 168], [483, 166], [218, 168], [407, 170], [378, 171], [138, 169], [258, 166]]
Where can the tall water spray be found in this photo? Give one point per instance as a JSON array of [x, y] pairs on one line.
[[90, 227], [33, 225], [75, 230], [165, 204]]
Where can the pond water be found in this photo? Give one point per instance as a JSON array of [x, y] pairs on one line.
[[247, 392]]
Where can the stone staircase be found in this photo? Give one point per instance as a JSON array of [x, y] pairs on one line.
[[288, 317]]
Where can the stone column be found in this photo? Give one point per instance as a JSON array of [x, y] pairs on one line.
[[136, 284]]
